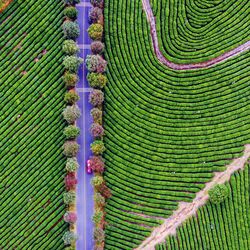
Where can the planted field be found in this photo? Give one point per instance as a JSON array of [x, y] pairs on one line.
[[32, 92], [168, 131], [218, 227]]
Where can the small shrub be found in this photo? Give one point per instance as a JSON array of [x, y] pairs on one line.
[[69, 197], [70, 47], [95, 15], [97, 47], [96, 115], [71, 113], [218, 193], [72, 63], [96, 97], [70, 181], [70, 12], [70, 217], [71, 97], [104, 190], [71, 30], [70, 148], [72, 164], [97, 164], [97, 80], [97, 3], [99, 199], [95, 31], [96, 130], [69, 238], [97, 181], [95, 63], [98, 216], [71, 132], [70, 79], [99, 235], [97, 147]]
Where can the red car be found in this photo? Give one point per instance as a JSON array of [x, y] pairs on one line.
[[88, 168]]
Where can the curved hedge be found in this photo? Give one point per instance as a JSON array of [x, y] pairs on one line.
[[166, 131]]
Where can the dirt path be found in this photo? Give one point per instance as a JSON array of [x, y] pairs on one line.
[[151, 19], [186, 210]]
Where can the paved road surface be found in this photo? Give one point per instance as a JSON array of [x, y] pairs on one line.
[[84, 189]]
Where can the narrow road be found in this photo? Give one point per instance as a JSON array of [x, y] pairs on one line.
[[151, 19], [187, 209], [85, 204]]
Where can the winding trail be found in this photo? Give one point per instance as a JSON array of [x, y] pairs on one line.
[[187, 209], [151, 19]]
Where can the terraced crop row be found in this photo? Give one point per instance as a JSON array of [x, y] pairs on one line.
[[194, 31], [32, 92], [224, 226], [166, 131]]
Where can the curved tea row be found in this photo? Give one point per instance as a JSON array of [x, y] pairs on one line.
[[167, 131]]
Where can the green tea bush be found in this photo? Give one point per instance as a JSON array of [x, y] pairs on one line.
[[218, 193]]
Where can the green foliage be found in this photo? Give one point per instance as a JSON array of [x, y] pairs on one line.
[[71, 113], [218, 193], [97, 147], [96, 114], [70, 47], [70, 79], [69, 197], [71, 132], [95, 31], [71, 12], [98, 216], [72, 63], [71, 97], [71, 30], [99, 199], [99, 235], [97, 180], [97, 80], [70, 148], [69, 238], [72, 164]]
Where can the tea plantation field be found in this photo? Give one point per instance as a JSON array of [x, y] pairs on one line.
[[168, 131], [31, 103]]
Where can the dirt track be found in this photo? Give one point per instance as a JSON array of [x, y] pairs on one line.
[[186, 210]]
